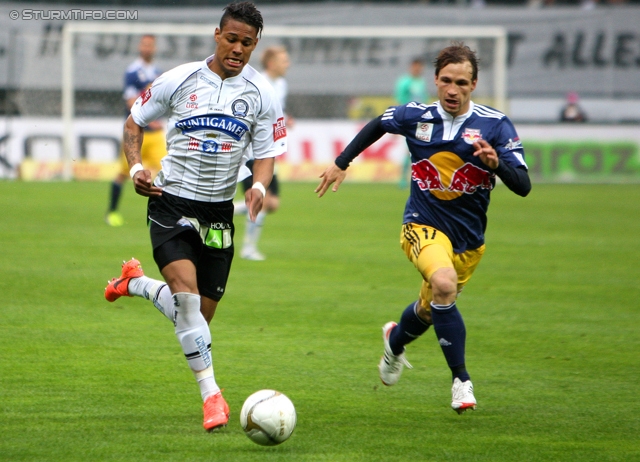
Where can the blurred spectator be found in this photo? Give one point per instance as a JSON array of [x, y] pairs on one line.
[[572, 112], [275, 62], [410, 87]]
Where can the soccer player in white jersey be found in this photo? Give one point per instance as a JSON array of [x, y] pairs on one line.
[[275, 63], [457, 149], [216, 109]]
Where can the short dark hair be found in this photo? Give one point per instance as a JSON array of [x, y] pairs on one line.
[[457, 53], [245, 12]]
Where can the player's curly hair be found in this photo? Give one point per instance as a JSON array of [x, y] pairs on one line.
[[245, 12], [457, 53]]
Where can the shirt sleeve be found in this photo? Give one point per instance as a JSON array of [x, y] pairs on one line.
[[508, 145], [269, 137], [392, 120], [154, 102], [369, 134]]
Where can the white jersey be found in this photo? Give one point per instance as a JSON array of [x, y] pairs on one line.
[[212, 122], [279, 84]]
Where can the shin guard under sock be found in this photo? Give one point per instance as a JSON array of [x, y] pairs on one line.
[[192, 331], [410, 327], [451, 332]]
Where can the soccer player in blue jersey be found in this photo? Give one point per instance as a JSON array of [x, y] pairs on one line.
[[457, 148]]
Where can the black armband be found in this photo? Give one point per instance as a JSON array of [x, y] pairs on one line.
[[515, 178], [369, 134]]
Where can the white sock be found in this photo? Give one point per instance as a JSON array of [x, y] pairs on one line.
[[207, 383], [253, 231], [194, 336], [157, 292]]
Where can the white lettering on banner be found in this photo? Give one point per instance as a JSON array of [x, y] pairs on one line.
[[75, 15]]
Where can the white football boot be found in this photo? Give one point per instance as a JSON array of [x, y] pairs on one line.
[[462, 396], [391, 365]]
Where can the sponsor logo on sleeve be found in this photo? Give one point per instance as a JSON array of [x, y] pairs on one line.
[[279, 129], [514, 143], [145, 96]]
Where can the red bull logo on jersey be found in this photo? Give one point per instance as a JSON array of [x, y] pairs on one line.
[[447, 177], [471, 135], [427, 176], [469, 178]]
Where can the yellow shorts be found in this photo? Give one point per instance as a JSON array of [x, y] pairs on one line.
[[429, 250], [153, 149]]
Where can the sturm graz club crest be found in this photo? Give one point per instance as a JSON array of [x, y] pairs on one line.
[[239, 108]]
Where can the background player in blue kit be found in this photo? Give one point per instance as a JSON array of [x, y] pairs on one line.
[[457, 149], [139, 76]]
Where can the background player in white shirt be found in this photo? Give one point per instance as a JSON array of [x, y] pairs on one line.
[[217, 109], [275, 63]]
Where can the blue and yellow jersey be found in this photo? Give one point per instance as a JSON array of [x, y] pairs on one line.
[[450, 187], [138, 77]]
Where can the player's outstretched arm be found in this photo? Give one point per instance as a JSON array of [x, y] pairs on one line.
[[332, 174], [335, 173]]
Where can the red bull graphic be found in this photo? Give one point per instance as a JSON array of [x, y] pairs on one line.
[[471, 135], [469, 178], [427, 176], [446, 176]]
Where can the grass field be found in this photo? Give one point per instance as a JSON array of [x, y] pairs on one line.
[[552, 319]]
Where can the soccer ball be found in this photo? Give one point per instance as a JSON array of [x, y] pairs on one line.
[[268, 417]]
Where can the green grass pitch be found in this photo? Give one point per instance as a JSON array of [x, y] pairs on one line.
[[552, 315]]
